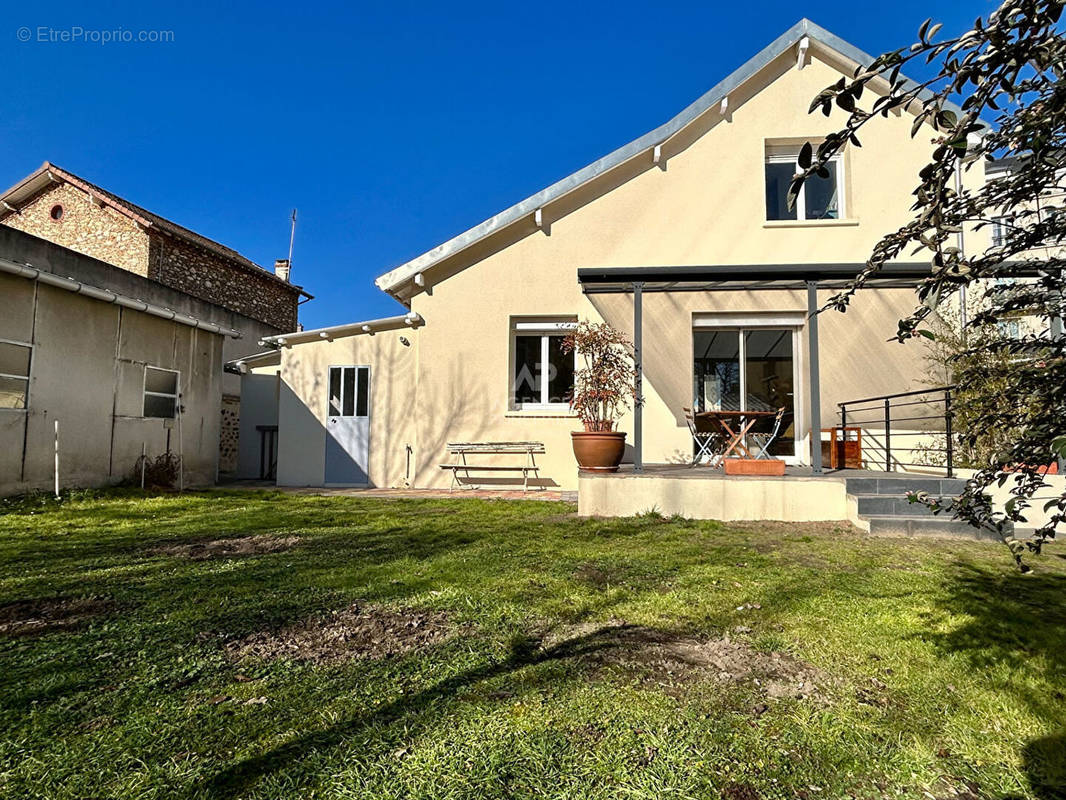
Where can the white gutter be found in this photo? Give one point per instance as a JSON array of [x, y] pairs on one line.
[[240, 366], [369, 327], [107, 296]]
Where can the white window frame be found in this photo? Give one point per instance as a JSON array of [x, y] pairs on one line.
[[28, 377], [543, 328], [787, 154], [355, 389], [998, 229], [176, 397]]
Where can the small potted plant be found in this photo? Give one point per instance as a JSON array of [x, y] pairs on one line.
[[604, 385]]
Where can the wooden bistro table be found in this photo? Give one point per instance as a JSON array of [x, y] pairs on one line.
[[734, 426]]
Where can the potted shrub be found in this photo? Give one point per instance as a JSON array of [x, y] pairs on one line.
[[603, 389]]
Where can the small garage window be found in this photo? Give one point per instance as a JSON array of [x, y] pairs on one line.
[[14, 374], [160, 392]]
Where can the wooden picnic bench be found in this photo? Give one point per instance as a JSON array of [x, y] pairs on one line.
[[460, 450]]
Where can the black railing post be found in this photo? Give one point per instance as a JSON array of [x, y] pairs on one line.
[[843, 415], [948, 414], [888, 436]]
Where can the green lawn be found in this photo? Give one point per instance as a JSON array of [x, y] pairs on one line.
[[940, 671]]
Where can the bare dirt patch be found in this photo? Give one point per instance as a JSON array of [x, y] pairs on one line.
[[38, 617], [594, 575], [228, 548], [669, 659], [357, 632]]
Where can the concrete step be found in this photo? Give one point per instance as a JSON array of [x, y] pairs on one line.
[[942, 527], [901, 484], [885, 505]]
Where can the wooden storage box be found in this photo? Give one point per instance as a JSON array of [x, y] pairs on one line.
[[843, 448]]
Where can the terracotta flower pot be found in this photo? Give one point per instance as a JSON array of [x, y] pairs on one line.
[[599, 451]]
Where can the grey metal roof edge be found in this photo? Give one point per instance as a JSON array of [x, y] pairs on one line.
[[390, 280], [408, 320]]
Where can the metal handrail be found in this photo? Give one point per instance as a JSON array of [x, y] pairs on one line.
[[886, 406], [899, 394]]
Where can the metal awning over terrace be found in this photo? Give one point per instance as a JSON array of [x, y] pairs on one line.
[[743, 277], [732, 277]]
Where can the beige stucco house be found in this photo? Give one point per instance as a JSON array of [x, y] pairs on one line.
[[684, 229]]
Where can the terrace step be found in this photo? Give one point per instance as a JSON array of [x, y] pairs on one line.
[[901, 484], [884, 505], [931, 526]]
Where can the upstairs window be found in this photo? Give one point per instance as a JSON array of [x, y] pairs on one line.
[[819, 198], [160, 392], [14, 374], [542, 375]]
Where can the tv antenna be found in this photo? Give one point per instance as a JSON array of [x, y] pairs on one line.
[[292, 235]]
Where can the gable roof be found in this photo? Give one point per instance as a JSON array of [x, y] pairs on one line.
[[397, 282], [48, 174]]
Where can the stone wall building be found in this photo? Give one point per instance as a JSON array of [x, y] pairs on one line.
[[60, 207]]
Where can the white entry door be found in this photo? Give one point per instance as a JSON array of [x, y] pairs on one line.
[[348, 427]]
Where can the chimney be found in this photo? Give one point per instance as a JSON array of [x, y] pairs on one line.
[[281, 269]]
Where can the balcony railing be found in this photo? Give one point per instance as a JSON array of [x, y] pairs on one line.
[[916, 426]]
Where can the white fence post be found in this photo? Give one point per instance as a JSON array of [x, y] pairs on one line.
[[57, 460]]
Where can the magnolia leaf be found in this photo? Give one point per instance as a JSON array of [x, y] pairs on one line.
[[846, 101], [793, 192], [805, 153]]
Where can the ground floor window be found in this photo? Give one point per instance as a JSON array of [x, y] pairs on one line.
[[14, 374], [160, 392], [542, 375], [747, 370]]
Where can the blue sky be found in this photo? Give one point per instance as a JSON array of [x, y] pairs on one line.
[[390, 126]]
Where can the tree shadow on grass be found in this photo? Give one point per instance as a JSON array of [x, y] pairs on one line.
[[1017, 621], [1045, 766], [524, 652]]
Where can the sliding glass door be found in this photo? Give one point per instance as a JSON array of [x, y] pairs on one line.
[[748, 369]]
